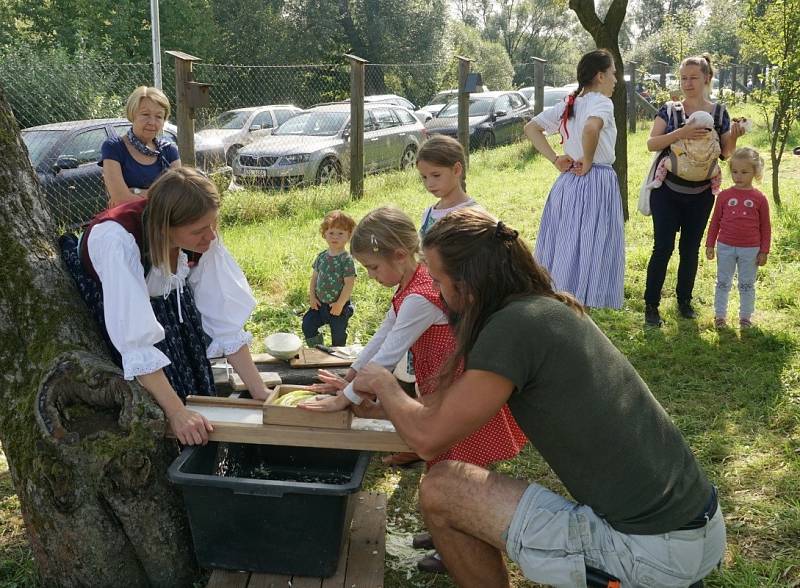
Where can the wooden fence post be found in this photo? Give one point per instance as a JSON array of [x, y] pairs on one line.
[[538, 83], [184, 112], [662, 74], [463, 104], [357, 65], [733, 83], [631, 97]]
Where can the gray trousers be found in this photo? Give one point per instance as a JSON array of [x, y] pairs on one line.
[[729, 260]]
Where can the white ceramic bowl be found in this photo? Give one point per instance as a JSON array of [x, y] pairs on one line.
[[283, 345]]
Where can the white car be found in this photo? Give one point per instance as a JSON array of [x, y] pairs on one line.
[[233, 129]]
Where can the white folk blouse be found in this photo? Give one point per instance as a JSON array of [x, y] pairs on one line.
[[593, 104], [221, 293], [397, 333]]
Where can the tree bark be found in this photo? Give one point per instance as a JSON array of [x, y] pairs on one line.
[[606, 35], [85, 448]]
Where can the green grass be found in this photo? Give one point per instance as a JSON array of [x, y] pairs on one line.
[[734, 395]]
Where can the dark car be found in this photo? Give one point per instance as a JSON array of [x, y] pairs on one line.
[[494, 118], [64, 156]]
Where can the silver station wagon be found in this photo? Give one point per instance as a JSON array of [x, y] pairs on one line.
[[314, 146]]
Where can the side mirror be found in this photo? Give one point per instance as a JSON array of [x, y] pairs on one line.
[[65, 162], [255, 128], [500, 113]]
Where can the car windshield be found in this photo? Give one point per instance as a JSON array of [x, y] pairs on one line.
[[476, 108], [229, 120], [321, 123], [553, 98], [442, 98], [527, 92], [39, 143]]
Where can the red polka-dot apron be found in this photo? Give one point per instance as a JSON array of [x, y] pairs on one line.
[[497, 440]]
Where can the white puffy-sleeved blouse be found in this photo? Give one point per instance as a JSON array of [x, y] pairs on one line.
[[586, 106], [221, 293]]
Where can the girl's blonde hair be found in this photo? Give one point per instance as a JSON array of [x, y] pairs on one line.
[[142, 92], [444, 151], [704, 63], [384, 231], [180, 196], [752, 156]]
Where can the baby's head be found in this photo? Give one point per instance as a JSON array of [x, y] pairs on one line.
[[701, 119], [339, 223]]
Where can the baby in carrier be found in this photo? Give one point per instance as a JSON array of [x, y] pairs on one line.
[[693, 159]]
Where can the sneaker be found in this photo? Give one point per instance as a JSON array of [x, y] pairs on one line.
[[422, 541], [432, 564], [720, 323], [686, 311], [652, 318], [745, 323]]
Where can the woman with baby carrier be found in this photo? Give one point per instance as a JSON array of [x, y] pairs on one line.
[[682, 204]]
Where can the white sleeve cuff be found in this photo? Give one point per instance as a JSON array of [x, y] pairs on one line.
[[351, 395], [229, 344], [143, 361]]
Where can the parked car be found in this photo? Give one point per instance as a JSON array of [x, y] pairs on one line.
[[435, 105], [64, 156], [552, 95], [314, 146], [233, 129], [209, 155], [390, 99], [494, 118]]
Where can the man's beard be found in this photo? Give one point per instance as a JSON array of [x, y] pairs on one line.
[[453, 318]]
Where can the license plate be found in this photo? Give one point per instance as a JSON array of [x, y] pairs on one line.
[[259, 173]]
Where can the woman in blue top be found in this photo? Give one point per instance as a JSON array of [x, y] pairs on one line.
[[133, 162]]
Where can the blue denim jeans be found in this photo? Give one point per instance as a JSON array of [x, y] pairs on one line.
[[314, 319], [729, 260]]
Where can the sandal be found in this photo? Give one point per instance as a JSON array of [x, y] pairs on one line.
[[432, 564], [404, 459], [422, 541]]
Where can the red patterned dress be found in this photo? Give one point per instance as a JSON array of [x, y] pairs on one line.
[[497, 440]]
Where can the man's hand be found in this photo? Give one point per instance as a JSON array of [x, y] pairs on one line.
[[371, 379], [709, 253], [190, 427], [761, 259]]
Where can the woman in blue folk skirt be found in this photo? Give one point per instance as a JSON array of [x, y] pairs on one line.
[[581, 238], [167, 295]]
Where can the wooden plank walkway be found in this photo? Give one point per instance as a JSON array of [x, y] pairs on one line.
[[360, 564]]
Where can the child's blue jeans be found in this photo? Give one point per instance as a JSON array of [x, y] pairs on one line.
[[314, 319], [729, 259]]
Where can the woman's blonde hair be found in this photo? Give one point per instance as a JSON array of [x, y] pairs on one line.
[[384, 231], [751, 156], [444, 151], [704, 63], [180, 196], [142, 92]]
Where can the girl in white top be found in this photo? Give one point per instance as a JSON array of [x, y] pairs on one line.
[[442, 166], [168, 285], [581, 240]]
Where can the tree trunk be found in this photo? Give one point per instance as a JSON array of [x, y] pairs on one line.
[[606, 34], [85, 448]]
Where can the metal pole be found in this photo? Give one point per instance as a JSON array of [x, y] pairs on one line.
[[156, 30], [463, 104]]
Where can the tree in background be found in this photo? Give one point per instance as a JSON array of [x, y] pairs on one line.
[[772, 33], [650, 15], [489, 58], [605, 33]]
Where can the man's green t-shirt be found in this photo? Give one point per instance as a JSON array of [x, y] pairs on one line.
[[591, 417]]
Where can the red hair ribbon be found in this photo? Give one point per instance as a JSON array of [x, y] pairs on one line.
[[565, 117]]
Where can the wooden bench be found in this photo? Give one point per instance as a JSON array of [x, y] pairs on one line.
[[360, 564]]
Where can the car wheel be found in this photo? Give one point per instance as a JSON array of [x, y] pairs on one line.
[[409, 157], [329, 171], [487, 141], [230, 156]]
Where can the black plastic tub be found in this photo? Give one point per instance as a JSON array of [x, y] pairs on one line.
[[292, 523]]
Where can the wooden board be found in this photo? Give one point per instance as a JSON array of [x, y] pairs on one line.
[[318, 358], [270, 379], [361, 562], [294, 416], [266, 358], [230, 401]]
